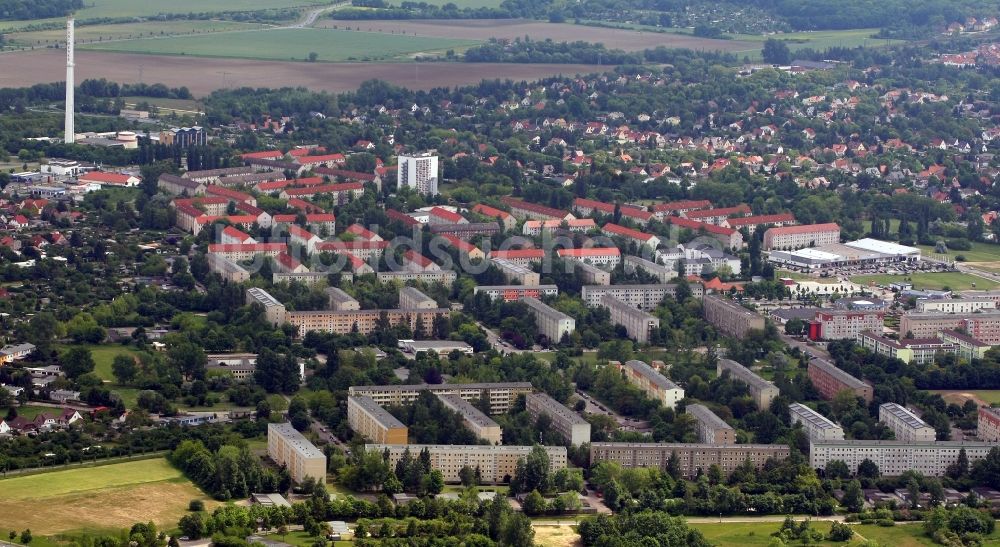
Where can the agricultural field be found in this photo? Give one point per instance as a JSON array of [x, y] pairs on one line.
[[91, 498], [125, 31], [820, 40], [483, 29], [49, 65], [955, 281]]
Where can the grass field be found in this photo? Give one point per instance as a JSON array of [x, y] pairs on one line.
[[820, 40], [959, 396], [955, 281], [97, 498], [125, 31], [29, 411], [981, 252], [104, 356], [738, 534], [288, 44]]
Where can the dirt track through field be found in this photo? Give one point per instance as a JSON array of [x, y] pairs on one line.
[[483, 29], [204, 75]]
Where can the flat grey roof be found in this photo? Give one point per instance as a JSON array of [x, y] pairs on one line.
[[836, 372], [902, 413], [381, 415], [651, 374], [703, 414], [744, 374], [814, 418], [551, 406], [296, 439], [466, 409]]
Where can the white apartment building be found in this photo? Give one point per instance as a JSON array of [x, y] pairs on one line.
[[274, 311], [552, 323], [661, 272], [286, 446], [514, 272], [570, 425], [956, 305], [638, 324], [893, 458], [482, 425], [411, 298], [816, 425], [419, 172], [496, 463], [501, 395], [655, 385], [645, 297], [988, 427], [905, 424]]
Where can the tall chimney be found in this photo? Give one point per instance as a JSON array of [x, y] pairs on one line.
[[70, 83]]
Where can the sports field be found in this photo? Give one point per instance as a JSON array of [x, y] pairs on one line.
[[955, 281], [288, 45], [982, 397], [97, 498]]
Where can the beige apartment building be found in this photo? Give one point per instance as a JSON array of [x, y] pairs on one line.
[[710, 427], [500, 395], [338, 300], [551, 323], [989, 424], [410, 298], [638, 324], [645, 297], [816, 425], [790, 238], [514, 272], [983, 326], [477, 422], [905, 424], [762, 391], [371, 421], [227, 269], [590, 274], [656, 386], [691, 457], [570, 425], [496, 463], [662, 273], [274, 311], [287, 447], [893, 458], [363, 321], [729, 317]]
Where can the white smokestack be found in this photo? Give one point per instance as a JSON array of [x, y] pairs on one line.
[[70, 83]]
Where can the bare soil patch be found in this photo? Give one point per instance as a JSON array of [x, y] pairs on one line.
[[204, 75], [483, 29]]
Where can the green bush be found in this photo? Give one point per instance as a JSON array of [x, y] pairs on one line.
[[886, 522]]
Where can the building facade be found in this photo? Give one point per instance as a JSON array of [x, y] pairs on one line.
[[551, 323], [570, 425], [361, 321], [482, 425], [419, 172], [844, 324], [816, 425], [638, 324], [510, 293], [662, 273], [710, 427], [905, 424], [692, 458], [983, 326], [499, 395], [371, 421], [287, 447], [988, 428], [274, 311], [893, 458], [762, 391], [410, 298], [645, 297], [655, 385], [496, 464], [830, 380], [730, 317], [796, 237]]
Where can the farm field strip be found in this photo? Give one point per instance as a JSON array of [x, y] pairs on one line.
[[128, 31]]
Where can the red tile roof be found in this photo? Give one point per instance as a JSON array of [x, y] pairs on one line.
[[446, 215], [616, 229]]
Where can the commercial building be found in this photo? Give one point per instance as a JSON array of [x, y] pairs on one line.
[[339, 300], [711, 428], [894, 458], [287, 447], [361, 321], [762, 391], [861, 253], [638, 324], [692, 458], [644, 297], [274, 311], [551, 323], [729, 317], [570, 425], [515, 272], [655, 385], [590, 274], [371, 421], [844, 324], [419, 172], [910, 350], [662, 273], [955, 305], [830, 380], [509, 293], [797, 237], [240, 365], [496, 464], [905, 424], [816, 425], [482, 425], [500, 395], [411, 298], [988, 429], [983, 326]]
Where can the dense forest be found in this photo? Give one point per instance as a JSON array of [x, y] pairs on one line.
[[38, 9]]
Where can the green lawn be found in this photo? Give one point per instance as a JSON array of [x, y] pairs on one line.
[[104, 355], [289, 44], [302, 539], [97, 498], [934, 280], [124, 31], [981, 252], [735, 534], [29, 411]]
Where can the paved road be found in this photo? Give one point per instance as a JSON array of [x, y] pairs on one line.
[[310, 18]]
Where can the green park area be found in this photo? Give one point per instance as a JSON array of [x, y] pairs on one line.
[[329, 45], [97, 498], [955, 281], [739, 534]]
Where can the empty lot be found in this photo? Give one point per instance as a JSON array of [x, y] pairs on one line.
[[204, 75], [484, 29]]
